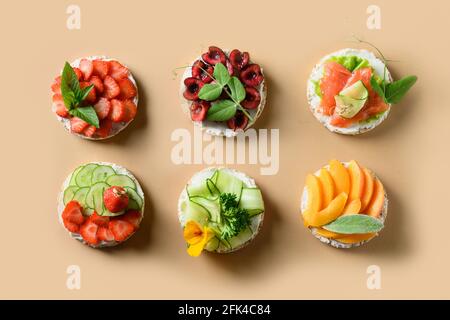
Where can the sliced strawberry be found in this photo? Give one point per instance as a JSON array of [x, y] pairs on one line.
[[78, 73], [100, 68], [130, 110], [104, 234], [56, 87], [117, 70], [133, 217], [89, 131], [121, 229], [117, 113], [77, 125], [89, 232], [102, 107], [58, 80], [112, 89], [86, 67], [72, 227], [73, 213], [92, 96], [98, 83], [105, 129], [60, 107], [99, 220], [127, 89]]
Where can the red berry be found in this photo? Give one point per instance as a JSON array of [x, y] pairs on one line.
[[121, 229], [89, 131], [72, 227], [100, 68], [239, 59], [86, 67], [77, 125], [202, 71], [56, 87], [214, 56], [92, 96], [105, 129], [199, 110], [104, 234], [102, 108], [133, 217], [78, 73], [127, 88], [239, 121], [130, 110], [99, 220], [60, 107], [252, 98], [118, 112], [111, 88], [251, 75], [115, 199], [73, 213], [89, 232], [98, 83], [117, 70], [193, 87], [230, 68]]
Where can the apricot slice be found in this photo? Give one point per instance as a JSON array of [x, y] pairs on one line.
[[325, 216], [314, 193], [340, 176], [355, 238], [327, 187], [368, 189], [357, 181], [352, 207], [376, 203], [328, 234]]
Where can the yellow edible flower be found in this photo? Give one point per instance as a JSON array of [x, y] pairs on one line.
[[197, 237]]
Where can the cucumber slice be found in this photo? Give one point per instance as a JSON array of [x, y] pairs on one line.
[[213, 244], [84, 177], [135, 200], [351, 100], [212, 206], [95, 191], [252, 201], [101, 173], [80, 196], [241, 238], [69, 193], [121, 180], [196, 212], [74, 175], [106, 213], [88, 211], [228, 183], [197, 190]]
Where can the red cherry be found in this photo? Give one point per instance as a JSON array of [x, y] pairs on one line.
[[199, 110]]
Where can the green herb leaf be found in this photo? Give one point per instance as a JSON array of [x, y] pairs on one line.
[[222, 111], [397, 89], [354, 224], [85, 92], [233, 218], [377, 88], [70, 87], [210, 92], [221, 74], [87, 114], [237, 89]]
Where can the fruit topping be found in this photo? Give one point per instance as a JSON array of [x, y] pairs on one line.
[[73, 213], [100, 68], [115, 199], [127, 88], [86, 67], [92, 96], [252, 98], [111, 88], [78, 73], [239, 121], [104, 234], [117, 71], [56, 87], [214, 56], [239, 59], [121, 229], [102, 108], [60, 107], [193, 87], [130, 110], [77, 125], [230, 68], [89, 131], [98, 83], [251, 75], [199, 110], [202, 71], [105, 128], [133, 217], [117, 111], [101, 221], [89, 232]]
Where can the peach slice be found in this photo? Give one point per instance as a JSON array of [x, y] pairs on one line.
[[355, 238], [357, 181], [352, 207], [328, 234], [340, 176], [325, 216], [327, 187], [376, 203], [314, 193], [368, 190]]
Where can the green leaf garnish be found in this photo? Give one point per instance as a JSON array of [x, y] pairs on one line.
[[222, 111], [85, 92], [87, 114], [237, 89], [233, 218], [210, 92], [221, 74], [397, 89], [354, 224], [377, 88]]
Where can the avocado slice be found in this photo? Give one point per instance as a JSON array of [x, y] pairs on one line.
[[351, 100]]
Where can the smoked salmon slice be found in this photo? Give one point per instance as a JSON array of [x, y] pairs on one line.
[[334, 79]]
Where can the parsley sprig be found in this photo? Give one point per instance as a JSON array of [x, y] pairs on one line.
[[233, 218]]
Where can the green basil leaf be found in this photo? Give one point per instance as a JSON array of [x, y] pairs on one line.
[[87, 114], [397, 89], [85, 91], [354, 224], [377, 88], [70, 87], [210, 92], [237, 89], [221, 74], [222, 111]]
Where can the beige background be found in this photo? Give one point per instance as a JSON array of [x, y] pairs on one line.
[[409, 151]]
